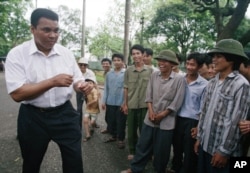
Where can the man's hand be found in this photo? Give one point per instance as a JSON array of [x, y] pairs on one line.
[[85, 87], [124, 109], [103, 106], [196, 147], [218, 160], [158, 117], [194, 132], [62, 80]]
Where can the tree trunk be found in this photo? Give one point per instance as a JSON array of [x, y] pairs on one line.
[[126, 31], [235, 20]]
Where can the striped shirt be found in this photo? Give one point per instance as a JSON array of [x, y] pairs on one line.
[[225, 104]]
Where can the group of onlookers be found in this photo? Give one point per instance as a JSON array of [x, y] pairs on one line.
[[196, 112], [203, 113]]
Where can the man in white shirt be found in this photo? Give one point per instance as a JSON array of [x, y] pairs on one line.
[[42, 75]]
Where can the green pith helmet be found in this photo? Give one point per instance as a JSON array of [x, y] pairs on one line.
[[168, 55], [229, 46]]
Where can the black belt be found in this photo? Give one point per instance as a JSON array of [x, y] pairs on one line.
[[49, 109]]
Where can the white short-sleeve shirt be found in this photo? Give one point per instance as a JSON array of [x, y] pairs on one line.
[[25, 64]]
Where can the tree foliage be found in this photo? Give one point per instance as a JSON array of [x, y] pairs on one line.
[[14, 28], [70, 27], [177, 27]]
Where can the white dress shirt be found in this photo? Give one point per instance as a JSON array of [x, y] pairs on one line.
[[25, 64]]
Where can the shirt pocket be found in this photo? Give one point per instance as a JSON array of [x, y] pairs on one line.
[[132, 83], [195, 101], [224, 102], [145, 82], [120, 82]]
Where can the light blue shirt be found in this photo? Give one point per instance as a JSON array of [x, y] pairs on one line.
[[113, 88], [193, 95]]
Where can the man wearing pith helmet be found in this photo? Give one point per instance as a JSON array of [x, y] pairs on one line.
[[224, 105], [164, 96]]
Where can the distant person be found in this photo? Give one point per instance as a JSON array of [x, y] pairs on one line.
[[245, 124], [176, 68], [164, 96], [92, 109], [148, 58], [42, 74], [80, 97], [207, 70], [225, 104], [113, 97], [106, 65], [135, 84]]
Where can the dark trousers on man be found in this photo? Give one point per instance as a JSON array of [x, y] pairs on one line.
[[154, 141], [37, 127], [116, 122], [185, 159], [79, 104], [135, 120]]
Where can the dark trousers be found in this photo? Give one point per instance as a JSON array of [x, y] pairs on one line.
[[135, 121], [204, 164], [117, 122], [36, 128], [185, 159], [79, 104], [154, 141]]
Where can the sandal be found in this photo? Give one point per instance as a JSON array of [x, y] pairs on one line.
[[121, 144], [111, 139], [86, 139], [104, 131]]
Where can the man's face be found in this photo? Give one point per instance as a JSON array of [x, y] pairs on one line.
[[118, 63], [164, 66], [221, 64], [211, 71], [46, 34], [137, 56], [192, 67], [147, 59], [106, 66], [83, 67], [203, 71]]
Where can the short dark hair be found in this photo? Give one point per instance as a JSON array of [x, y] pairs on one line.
[[137, 47], [148, 51], [42, 12], [198, 57], [207, 59], [106, 60], [237, 60], [117, 55]]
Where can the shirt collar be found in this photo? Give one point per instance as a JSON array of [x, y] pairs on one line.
[[144, 68], [121, 71], [230, 75], [172, 74], [33, 49]]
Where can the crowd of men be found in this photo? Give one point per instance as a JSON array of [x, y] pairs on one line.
[[202, 113]]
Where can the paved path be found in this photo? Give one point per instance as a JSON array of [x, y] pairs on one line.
[[98, 157]]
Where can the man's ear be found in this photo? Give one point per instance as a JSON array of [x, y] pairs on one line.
[[32, 28]]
